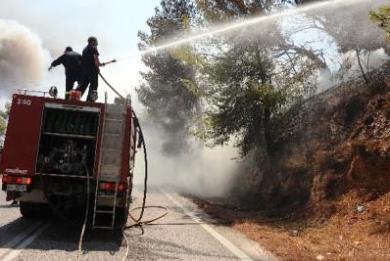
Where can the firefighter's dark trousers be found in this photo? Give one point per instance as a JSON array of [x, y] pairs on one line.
[[90, 79]]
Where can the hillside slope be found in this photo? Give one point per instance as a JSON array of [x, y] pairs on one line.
[[324, 192], [331, 143]]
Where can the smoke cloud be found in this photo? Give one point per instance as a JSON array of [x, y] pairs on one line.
[[201, 171], [22, 57]]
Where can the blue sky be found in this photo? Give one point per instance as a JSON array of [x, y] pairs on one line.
[[62, 23]]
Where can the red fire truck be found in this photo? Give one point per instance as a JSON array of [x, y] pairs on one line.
[[53, 146]]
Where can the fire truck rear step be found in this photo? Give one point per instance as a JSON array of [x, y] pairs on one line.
[[105, 196], [102, 227], [104, 211]]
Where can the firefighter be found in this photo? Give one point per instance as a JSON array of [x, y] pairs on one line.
[[90, 64], [73, 70]]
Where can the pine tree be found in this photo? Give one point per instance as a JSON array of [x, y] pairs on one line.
[[382, 18], [3, 121], [165, 94]]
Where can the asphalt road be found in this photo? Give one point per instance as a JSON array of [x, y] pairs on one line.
[[186, 233]]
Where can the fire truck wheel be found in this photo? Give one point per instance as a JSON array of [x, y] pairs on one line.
[[34, 210]]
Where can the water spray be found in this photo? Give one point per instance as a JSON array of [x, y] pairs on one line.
[[223, 28], [227, 27]]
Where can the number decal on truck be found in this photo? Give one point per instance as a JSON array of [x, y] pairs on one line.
[[16, 171], [26, 102]]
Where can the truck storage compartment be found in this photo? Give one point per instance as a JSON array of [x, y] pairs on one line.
[[68, 142]]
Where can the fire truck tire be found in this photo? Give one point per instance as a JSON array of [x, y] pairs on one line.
[[34, 210]]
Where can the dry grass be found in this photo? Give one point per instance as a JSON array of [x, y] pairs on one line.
[[345, 235]]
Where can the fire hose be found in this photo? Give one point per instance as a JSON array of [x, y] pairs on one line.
[[138, 221], [60, 215], [85, 216]]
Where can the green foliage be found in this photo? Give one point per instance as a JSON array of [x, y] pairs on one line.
[[219, 10], [168, 91], [3, 121], [244, 113], [189, 57], [3, 126], [348, 32], [242, 99], [382, 18]]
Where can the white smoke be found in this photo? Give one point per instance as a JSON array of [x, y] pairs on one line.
[[200, 171], [369, 60], [22, 58], [205, 173]]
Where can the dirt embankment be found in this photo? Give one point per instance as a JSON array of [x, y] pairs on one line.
[[358, 230], [324, 191], [324, 147]]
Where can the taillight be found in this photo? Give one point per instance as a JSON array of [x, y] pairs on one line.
[[16, 180], [107, 186], [6, 179], [122, 187], [110, 186], [27, 181], [19, 180]]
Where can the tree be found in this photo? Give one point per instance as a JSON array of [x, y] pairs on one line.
[[349, 33], [3, 126], [243, 98], [218, 10], [382, 18], [245, 113], [3, 121], [165, 93]]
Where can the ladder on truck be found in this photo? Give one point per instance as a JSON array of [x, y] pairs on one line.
[[109, 166]]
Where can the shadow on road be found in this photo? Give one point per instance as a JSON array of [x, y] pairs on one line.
[[59, 235], [9, 206]]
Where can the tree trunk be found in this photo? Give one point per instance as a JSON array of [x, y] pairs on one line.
[[361, 66]]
